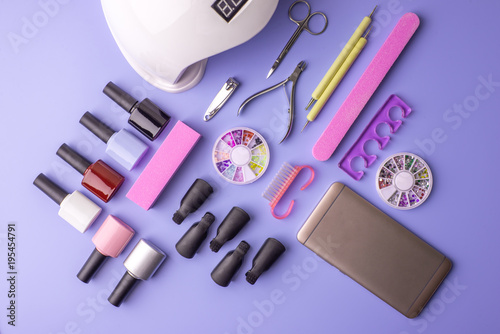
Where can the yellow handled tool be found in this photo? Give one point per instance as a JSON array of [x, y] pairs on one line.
[[341, 58], [311, 116]]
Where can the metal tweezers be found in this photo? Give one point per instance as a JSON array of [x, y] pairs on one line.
[[293, 78]]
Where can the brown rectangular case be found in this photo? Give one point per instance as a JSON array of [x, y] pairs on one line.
[[374, 250]]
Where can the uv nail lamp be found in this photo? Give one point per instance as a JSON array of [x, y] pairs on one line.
[[167, 42]]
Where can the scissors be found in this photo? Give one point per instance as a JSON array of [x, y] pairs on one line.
[[291, 103], [302, 25]]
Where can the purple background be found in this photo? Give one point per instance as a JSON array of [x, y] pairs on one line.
[[49, 81]]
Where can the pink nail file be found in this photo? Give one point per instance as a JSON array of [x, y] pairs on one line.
[[365, 87], [163, 165]]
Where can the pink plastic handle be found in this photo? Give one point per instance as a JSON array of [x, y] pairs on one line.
[[311, 178], [290, 206]]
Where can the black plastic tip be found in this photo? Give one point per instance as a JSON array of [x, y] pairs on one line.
[[178, 218], [190, 242], [91, 266], [123, 288], [215, 246], [122, 98], [270, 251], [94, 125], [229, 228], [74, 159], [56, 193], [207, 219], [193, 199], [229, 265]]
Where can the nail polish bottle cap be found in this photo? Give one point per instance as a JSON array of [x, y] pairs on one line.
[[123, 288], [56, 193], [91, 266], [101, 130], [112, 236], [122, 98], [74, 159], [143, 260]]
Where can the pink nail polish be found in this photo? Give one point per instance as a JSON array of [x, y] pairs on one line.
[[110, 240]]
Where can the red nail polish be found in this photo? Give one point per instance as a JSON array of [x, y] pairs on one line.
[[100, 179]]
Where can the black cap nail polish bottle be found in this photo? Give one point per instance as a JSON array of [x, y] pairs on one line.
[[145, 116]]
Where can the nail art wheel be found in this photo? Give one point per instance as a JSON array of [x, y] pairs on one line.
[[240, 155], [404, 181]]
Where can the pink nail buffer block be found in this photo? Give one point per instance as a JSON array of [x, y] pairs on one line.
[[163, 165], [365, 87]]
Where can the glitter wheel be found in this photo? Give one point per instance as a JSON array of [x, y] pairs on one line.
[[240, 155], [404, 181]]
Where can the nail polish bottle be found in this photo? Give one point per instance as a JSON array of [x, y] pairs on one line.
[[145, 116], [122, 146], [189, 243], [193, 199], [109, 241], [100, 179], [75, 208], [229, 265], [141, 264], [267, 255]]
